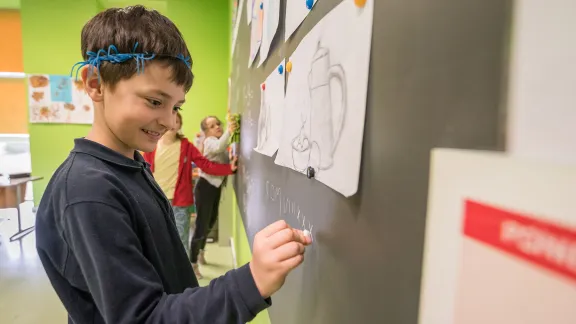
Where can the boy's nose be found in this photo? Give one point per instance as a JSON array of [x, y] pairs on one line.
[[168, 120]]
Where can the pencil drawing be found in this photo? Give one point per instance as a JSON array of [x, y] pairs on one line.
[[323, 122], [264, 123]]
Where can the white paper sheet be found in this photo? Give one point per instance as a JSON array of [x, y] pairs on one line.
[[249, 8], [58, 99], [452, 292], [326, 98], [270, 26], [296, 12], [271, 113], [256, 31], [236, 26]]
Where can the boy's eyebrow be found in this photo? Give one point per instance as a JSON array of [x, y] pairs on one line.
[[166, 96]]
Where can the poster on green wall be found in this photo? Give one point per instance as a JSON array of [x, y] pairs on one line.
[[58, 99]]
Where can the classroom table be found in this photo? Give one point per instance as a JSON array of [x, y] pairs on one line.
[[11, 196]]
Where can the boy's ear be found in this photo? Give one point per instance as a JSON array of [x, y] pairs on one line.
[[92, 83]]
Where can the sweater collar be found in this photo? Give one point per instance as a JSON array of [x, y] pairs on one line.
[[82, 145]]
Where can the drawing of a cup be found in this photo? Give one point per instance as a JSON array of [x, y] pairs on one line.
[[327, 120], [301, 149], [305, 153]]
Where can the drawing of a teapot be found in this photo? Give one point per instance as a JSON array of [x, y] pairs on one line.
[[326, 119], [304, 152]]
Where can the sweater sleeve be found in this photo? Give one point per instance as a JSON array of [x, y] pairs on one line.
[[213, 145], [206, 165], [127, 289]]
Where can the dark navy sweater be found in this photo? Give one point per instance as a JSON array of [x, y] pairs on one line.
[[106, 237]]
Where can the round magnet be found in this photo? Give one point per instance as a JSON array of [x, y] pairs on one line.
[[310, 172], [261, 5], [281, 69], [289, 67], [360, 3], [263, 86]]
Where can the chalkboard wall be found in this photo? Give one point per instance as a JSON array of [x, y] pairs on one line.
[[437, 79]]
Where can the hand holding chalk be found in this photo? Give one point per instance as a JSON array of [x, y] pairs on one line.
[[278, 249]]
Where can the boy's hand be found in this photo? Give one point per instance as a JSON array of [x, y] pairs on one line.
[[234, 164], [278, 249]]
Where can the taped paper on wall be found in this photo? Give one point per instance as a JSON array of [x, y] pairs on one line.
[[271, 113], [296, 12], [271, 20], [249, 8], [256, 31], [236, 27], [326, 98]]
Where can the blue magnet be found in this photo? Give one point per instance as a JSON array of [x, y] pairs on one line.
[[309, 4], [281, 69], [261, 5]]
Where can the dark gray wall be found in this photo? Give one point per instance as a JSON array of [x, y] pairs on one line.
[[436, 80]]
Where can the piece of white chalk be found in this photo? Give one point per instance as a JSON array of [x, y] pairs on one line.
[[307, 233]]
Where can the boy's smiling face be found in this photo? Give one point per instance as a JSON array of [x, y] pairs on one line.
[[136, 112]]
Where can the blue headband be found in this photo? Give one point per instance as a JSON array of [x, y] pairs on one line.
[[112, 56]]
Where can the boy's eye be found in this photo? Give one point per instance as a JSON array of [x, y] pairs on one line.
[[177, 108], [154, 102]]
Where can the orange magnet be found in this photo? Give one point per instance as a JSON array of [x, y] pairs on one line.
[[289, 67], [360, 3]]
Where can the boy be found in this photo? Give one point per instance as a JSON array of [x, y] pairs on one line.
[[105, 232]]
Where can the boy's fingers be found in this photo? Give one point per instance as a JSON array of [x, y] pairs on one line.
[[300, 237], [288, 235], [281, 237], [293, 262], [289, 250], [274, 228]]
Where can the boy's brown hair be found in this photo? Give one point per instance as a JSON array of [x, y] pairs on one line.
[[123, 28]]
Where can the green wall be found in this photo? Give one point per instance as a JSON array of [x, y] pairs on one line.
[[9, 4]]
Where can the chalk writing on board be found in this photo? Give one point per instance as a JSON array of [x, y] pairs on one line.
[[248, 119], [287, 206], [245, 196], [248, 96]]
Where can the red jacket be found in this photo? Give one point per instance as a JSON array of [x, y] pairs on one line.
[[184, 192]]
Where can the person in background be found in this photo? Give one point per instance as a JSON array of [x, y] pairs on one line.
[[209, 187], [198, 140], [105, 231], [171, 165]]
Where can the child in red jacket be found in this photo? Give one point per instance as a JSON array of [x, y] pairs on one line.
[[171, 164]]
